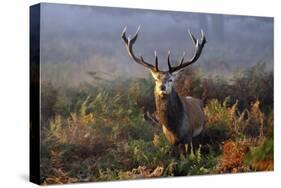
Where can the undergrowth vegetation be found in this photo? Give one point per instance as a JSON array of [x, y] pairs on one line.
[[103, 133]]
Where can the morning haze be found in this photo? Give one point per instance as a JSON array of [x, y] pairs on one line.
[[83, 39]]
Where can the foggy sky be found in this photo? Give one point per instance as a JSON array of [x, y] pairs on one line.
[[92, 35]]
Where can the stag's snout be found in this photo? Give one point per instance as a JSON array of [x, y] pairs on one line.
[[163, 88]]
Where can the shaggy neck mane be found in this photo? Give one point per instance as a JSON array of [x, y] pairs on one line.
[[169, 110]]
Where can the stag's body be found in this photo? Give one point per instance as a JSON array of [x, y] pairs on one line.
[[181, 118]]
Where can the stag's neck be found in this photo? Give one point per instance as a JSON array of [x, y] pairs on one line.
[[169, 110]]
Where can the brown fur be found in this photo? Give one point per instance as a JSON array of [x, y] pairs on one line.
[[181, 117], [194, 110]]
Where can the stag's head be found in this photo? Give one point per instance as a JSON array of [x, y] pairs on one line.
[[164, 80]]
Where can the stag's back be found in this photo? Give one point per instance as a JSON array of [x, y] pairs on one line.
[[194, 111]]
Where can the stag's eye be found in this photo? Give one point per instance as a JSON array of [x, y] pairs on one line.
[[170, 80]]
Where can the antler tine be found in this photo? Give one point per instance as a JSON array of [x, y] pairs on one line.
[[198, 49], [124, 35], [135, 36], [156, 61], [129, 45], [194, 40], [182, 59], [169, 62], [203, 38]]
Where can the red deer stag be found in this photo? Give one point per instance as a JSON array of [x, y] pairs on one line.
[[181, 117]]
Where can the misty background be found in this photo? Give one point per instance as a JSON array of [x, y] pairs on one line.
[[81, 42]]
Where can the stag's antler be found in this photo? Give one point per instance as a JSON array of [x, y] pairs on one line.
[[129, 45], [198, 49]]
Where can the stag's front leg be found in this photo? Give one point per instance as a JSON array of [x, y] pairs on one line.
[[176, 150], [189, 147], [182, 149]]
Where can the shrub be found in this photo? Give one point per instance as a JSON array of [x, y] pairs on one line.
[[260, 158], [100, 133], [193, 164], [232, 158]]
